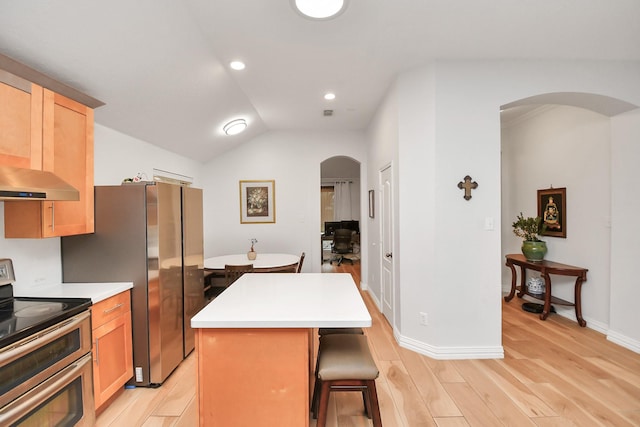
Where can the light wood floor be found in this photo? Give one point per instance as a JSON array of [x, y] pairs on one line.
[[554, 374]]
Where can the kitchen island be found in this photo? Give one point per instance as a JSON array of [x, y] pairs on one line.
[[254, 345]]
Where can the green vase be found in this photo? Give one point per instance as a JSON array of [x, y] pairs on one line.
[[534, 251]]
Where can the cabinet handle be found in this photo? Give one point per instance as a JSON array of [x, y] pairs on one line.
[[112, 309], [53, 217], [97, 359]]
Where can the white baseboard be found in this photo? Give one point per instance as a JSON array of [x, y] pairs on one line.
[[374, 297], [450, 353], [457, 353], [624, 341], [443, 353]]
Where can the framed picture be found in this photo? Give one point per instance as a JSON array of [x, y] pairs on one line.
[[257, 202], [552, 208], [372, 204]]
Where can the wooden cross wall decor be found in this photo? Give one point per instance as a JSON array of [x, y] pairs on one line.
[[468, 186]]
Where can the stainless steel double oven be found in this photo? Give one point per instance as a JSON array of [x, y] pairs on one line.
[[45, 361]]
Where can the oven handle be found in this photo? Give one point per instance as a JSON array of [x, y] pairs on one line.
[[13, 411], [43, 337]]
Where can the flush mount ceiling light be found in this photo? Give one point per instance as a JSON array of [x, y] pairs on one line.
[[234, 127], [319, 9], [329, 96], [237, 65]]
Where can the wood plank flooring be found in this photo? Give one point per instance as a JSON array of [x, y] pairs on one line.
[[554, 374]]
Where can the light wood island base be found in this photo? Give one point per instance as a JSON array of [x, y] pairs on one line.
[[246, 375]]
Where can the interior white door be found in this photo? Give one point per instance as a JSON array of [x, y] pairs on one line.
[[387, 244]]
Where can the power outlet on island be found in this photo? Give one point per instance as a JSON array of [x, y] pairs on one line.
[[424, 318]]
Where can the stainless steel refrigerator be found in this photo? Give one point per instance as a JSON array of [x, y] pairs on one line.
[[150, 234]]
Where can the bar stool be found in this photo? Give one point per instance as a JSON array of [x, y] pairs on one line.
[[345, 364], [333, 331]]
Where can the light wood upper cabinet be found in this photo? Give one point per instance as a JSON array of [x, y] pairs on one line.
[[20, 122], [67, 151]]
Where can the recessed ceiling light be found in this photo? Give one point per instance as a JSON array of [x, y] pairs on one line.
[[234, 127], [320, 9], [329, 96], [237, 65]]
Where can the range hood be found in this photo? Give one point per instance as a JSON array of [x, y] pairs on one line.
[[29, 184]]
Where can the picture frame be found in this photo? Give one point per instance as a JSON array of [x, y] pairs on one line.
[[372, 204], [257, 202], [552, 208]]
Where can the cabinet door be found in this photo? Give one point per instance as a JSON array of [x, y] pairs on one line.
[[20, 122], [112, 357], [67, 151], [67, 143]]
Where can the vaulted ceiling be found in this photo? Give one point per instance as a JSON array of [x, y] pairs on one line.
[[161, 66]]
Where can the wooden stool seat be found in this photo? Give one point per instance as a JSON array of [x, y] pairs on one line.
[[331, 331], [345, 364]]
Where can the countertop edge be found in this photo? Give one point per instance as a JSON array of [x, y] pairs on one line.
[[95, 291], [257, 324]]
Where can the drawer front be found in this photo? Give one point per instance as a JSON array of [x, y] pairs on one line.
[[111, 308]]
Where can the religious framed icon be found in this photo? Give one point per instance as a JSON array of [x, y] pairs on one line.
[[257, 202], [552, 208]]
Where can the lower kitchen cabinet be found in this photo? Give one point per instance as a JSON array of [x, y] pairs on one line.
[[112, 353]]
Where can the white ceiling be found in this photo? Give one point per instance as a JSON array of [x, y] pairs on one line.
[[161, 66]]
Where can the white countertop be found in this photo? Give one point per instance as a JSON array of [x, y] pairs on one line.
[[263, 260], [287, 300], [96, 291]]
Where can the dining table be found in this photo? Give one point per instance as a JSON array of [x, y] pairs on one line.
[[264, 262], [255, 345]]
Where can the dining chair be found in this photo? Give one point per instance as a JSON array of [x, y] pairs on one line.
[[299, 268], [234, 272], [282, 269]]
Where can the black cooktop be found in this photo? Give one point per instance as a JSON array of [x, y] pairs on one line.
[[23, 316]]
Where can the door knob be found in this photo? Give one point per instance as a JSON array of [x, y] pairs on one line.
[[388, 255]]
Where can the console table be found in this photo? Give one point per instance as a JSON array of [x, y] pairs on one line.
[[546, 268]]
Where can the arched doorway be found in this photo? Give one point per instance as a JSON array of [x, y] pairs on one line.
[[565, 140], [340, 210]]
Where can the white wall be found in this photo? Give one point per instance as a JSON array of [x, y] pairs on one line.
[[120, 156], [382, 150], [449, 127], [625, 205], [37, 261], [293, 160], [568, 147], [417, 209]]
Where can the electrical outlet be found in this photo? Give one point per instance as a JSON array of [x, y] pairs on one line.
[[424, 318]]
